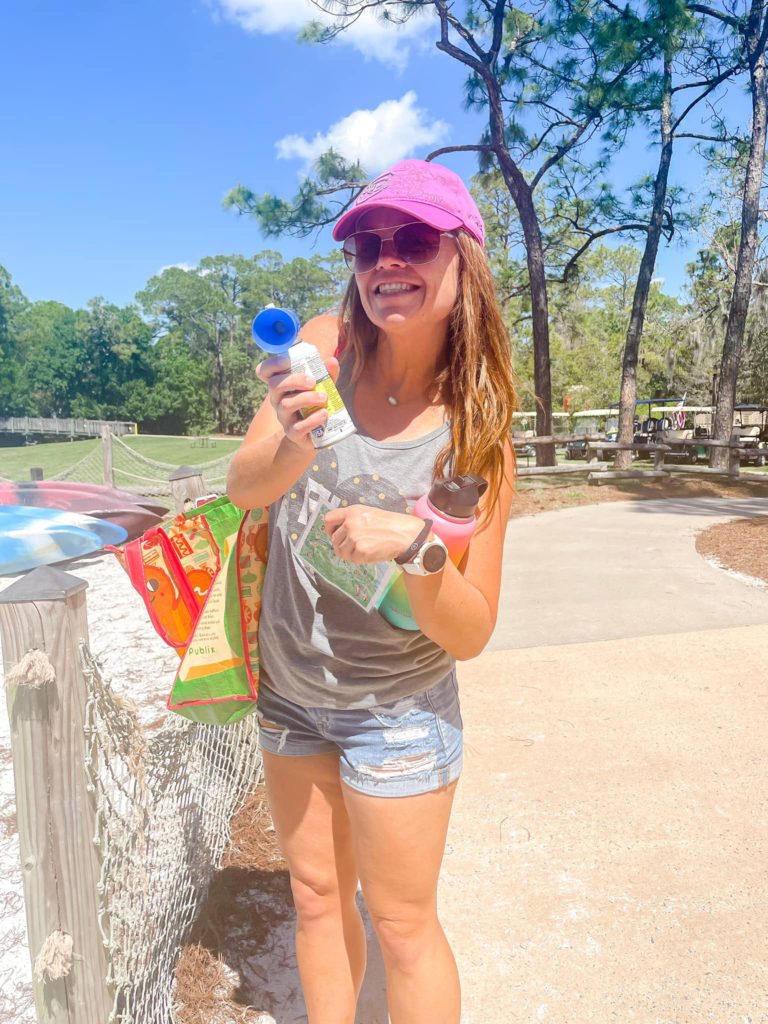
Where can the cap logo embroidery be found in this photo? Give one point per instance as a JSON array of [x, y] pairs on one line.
[[374, 187]]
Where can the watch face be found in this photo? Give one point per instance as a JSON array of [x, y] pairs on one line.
[[433, 558]]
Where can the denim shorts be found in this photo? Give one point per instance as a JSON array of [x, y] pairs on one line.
[[411, 746]]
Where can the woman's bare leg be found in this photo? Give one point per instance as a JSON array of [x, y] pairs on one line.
[[313, 831], [399, 844]]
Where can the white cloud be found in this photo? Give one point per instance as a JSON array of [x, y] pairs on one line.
[[377, 138], [176, 266], [374, 38]]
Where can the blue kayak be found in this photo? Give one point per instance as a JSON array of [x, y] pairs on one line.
[[41, 536]]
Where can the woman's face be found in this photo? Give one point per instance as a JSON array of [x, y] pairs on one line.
[[398, 295]]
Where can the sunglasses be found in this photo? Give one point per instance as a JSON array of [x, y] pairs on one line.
[[414, 243]]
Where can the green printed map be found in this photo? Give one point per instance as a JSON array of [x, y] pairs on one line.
[[363, 583]]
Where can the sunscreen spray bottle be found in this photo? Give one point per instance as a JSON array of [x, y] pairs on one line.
[[451, 506], [276, 331]]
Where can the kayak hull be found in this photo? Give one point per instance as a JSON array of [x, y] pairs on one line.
[[57, 489], [105, 503], [30, 537]]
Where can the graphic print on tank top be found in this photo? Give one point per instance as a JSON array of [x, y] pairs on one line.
[[306, 505]]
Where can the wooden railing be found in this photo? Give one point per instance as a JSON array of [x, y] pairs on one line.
[[68, 427], [598, 470]]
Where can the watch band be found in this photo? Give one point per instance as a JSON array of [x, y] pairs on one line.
[[413, 549]]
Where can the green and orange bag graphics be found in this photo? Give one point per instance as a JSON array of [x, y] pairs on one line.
[[201, 577]]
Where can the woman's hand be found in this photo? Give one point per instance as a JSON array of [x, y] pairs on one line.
[[290, 392], [361, 533]]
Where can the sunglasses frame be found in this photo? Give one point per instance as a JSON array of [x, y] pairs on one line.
[[391, 238]]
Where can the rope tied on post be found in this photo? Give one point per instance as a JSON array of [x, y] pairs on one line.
[[34, 670], [54, 961]]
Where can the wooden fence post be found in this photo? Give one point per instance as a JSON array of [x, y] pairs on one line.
[[106, 456], [186, 485], [734, 462], [42, 621]]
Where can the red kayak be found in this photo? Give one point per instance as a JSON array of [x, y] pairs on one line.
[[153, 504], [110, 503]]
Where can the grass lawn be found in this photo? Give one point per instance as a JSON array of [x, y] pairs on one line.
[[57, 456]]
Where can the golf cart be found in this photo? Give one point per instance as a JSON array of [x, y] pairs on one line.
[[523, 427], [648, 429], [750, 428], [688, 423], [591, 423]]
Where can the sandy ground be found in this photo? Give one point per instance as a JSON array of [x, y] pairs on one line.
[[606, 858]]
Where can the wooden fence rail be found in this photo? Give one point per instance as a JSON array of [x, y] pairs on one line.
[[42, 623], [599, 471], [67, 427]]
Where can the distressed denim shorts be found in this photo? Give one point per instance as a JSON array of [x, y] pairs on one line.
[[411, 746]]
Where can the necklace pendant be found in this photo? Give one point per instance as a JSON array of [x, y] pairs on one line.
[[391, 399]]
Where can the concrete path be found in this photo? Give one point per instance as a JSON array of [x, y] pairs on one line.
[[620, 569], [606, 857]]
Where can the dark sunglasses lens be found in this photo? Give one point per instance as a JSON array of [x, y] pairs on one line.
[[417, 243], [361, 251]]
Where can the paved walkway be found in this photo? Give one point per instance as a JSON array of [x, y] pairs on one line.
[[621, 569], [606, 858]]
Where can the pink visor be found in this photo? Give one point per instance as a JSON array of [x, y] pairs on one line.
[[425, 191]]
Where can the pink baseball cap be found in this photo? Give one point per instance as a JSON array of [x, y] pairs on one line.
[[427, 191]]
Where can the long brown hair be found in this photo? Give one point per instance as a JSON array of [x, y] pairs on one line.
[[478, 384]]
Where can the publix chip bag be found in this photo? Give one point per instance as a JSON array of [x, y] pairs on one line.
[[201, 577]]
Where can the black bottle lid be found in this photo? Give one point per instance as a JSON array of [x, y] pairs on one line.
[[458, 495]]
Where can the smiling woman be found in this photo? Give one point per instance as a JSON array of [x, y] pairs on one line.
[[361, 724]]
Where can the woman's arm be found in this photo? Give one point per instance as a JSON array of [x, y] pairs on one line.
[[278, 447], [457, 607]]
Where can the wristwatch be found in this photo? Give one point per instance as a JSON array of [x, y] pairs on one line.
[[424, 557]]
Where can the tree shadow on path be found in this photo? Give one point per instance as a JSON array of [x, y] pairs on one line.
[[239, 964]]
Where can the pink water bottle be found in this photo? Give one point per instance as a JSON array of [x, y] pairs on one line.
[[451, 505]]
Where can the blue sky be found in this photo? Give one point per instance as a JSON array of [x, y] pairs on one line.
[[124, 124]]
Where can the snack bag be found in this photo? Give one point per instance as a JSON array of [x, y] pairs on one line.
[[217, 681], [201, 578], [154, 568]]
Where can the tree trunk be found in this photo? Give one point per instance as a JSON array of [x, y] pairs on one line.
[[542, 380], [742, 286], [628, 393], [523, 199], [220, 381]]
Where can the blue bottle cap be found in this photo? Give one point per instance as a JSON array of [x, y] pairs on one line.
[[275, 329]]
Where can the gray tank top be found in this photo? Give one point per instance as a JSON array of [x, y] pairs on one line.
[[319, 646]]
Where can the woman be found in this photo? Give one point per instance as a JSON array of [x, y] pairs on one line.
[[359, 720]]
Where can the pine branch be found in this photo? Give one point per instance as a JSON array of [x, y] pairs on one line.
[[461, 30], [567, 269], [454, 51], [338, 187], [710, 12], [560, 152], [458, 149], [710, 88], [707, 138], [540, 141]]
